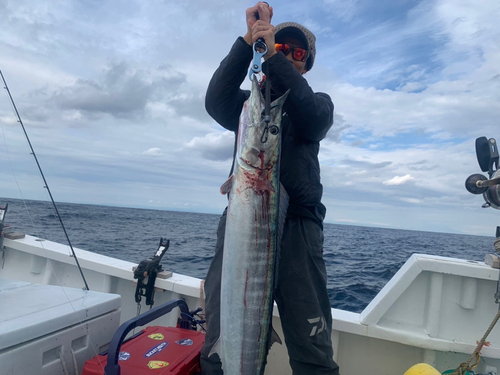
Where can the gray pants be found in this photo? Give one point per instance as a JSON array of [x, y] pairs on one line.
[[301, 296]]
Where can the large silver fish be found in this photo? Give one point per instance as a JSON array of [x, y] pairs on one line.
[[254, 223]]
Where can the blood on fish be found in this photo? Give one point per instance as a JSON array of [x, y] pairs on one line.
[[259, 182], [245, 294], [261, 157]]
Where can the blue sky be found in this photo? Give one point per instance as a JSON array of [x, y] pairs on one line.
[[112, 97]]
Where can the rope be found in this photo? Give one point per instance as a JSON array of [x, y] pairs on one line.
[[75, 362], [202, 303], [464, 367], [63, 363]]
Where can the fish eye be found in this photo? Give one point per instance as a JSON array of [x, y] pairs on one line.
[[274, 130]]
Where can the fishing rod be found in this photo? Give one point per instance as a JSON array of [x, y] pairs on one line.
[[44, 180]]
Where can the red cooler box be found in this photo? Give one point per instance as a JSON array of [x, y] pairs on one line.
[[167, 350], [157, 350]]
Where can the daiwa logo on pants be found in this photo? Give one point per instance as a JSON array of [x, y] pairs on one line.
[[319, 325]]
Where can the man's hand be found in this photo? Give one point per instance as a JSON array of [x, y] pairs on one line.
[[264, 30], [260, 12]]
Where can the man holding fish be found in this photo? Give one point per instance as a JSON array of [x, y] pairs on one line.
[[261, 254]]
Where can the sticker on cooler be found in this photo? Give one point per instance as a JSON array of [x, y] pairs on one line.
[[155, 350], [185, 342], [123, 356], [156, 336], [153, 365]]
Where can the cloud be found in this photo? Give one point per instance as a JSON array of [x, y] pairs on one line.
[[9, 120], [155, 151], [358, 173], [344, 10], [422, 165], [121, 91], [398, 180], [216, 146], [366, 164], [190, 105], [339, 126], [413, 87], [411, 200]]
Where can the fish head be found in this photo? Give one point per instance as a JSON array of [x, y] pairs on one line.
[[259, 141]]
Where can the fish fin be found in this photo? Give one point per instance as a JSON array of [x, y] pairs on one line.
[[272, 337], [275, 338], [282, 209], [215, 349], [226, 186], [281, 100]]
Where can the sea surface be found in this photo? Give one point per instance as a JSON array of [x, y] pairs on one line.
[[359, 260]]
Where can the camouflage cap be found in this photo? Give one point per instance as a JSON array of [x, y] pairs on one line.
[[294, 28]]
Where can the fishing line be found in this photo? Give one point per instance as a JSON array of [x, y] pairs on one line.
[[17, 183], [46, 185], [30, 216]]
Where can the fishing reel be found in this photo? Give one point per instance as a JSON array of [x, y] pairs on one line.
[[487, 157]]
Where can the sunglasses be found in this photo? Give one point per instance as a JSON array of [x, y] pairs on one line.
[[298, 54]]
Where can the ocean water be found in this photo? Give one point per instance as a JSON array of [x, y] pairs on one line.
[[359, 260]]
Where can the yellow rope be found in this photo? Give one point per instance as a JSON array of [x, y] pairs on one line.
[[464, 367]]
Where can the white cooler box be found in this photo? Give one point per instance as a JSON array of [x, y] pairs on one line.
[[47, 329]]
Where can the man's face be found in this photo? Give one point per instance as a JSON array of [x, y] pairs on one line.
[[294, 42]]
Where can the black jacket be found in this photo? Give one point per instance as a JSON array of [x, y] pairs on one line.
[[307, 117]]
